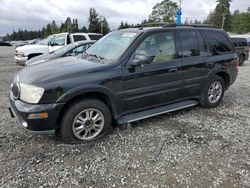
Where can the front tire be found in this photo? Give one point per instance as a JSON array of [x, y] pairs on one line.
[[85, 121], [213, 92]]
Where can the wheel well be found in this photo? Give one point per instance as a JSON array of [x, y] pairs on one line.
[[33, 55], [225, 77], [102, 97]]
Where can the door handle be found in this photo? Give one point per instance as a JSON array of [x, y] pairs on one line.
[[173, 70]]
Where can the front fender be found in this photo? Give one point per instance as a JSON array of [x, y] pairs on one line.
[[81, 90]]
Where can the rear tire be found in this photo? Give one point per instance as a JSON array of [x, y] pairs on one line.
[[85, 121], [213, 92]]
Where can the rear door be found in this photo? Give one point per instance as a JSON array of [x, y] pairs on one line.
[[193, 54], [157, 80]]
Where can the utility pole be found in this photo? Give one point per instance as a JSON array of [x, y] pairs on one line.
[[223, 21]]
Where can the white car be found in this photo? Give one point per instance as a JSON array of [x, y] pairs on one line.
[[50, 44]]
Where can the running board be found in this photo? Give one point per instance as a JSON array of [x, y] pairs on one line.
[[156, 111]]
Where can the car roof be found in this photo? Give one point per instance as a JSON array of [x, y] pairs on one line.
[[171, 26]]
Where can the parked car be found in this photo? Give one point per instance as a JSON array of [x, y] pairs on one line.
[[126, 76], [68, 50], [52, 43], [242, 49], [2, 43], [34, 41]]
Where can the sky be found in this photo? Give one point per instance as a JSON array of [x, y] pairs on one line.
[[34, 14]]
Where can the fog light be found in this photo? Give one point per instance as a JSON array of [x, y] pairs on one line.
[[41, 115]]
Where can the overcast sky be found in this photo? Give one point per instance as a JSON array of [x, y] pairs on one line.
[[34, 14]]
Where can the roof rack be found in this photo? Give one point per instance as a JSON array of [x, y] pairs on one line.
[[166, 24]]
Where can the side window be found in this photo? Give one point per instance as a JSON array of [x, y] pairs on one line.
[[78, 50], [156, 48], [95, 37], [234, 41], [189, 43], [220, 43], [79, 38], [59, 40], [202, 44]]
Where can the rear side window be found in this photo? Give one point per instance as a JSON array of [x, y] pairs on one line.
[[189, 43], [79, 38], [95, 37], [220, 43], [234, 41], [242, 42]]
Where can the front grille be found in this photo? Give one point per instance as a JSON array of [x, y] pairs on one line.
[[15, 88]]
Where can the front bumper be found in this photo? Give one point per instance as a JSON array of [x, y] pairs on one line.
[[20, 60], [21, 111]]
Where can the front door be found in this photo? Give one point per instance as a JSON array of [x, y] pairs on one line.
[[156, 80]]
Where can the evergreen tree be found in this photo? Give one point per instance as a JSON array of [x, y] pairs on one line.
[[105, 26], [94, 21], [222, 14], [164, 11]]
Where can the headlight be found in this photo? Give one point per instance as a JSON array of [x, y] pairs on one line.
[[30, 93], [20, 54]]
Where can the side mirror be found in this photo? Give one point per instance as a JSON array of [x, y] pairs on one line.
[[140, 60]]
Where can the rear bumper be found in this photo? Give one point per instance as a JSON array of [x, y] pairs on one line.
[[20, 60], [21, 111]]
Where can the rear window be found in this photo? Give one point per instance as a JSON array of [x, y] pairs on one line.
[[79, 38], [220, 43], [242, 42], [95, 37]]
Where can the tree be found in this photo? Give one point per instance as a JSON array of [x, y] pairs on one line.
[[164, 12], [94, 21], [84, 29], [222, 16], [75, 25], [209, 19], [54, 28], [241, 22], [105, 26]]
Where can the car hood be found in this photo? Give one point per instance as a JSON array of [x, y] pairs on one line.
[[57, 70], [41, 59], [31, 47]]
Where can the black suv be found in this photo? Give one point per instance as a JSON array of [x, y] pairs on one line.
[[242, 49], [126, 76]]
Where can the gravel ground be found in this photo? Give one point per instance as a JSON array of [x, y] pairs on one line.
[[196, 147]]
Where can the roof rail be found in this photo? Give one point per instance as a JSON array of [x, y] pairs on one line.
[[167, 24]]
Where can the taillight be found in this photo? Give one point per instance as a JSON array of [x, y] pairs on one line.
[[247, 49]]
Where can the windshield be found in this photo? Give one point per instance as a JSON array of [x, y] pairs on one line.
[[47, 40], [113, 45]]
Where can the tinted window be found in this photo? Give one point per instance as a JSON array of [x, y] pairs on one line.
[[220, 43], [202, 44], [242, 42], [234, 41], [95, 37], [79, 38], [59, 40], [189, 43], [156, 48]]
